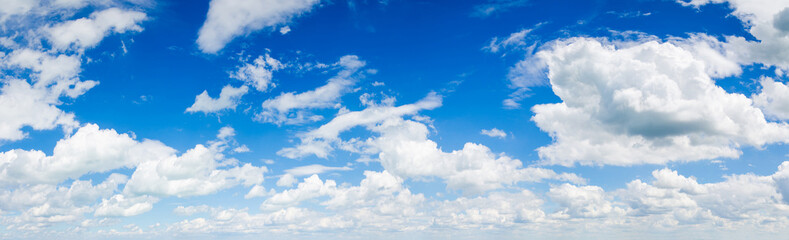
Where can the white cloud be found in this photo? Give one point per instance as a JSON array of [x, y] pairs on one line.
[[228, 98], [287, 180], [86, 33], [284, 30], [122, 206], [258, 191], [311, 187], [644, 103], [774, 98], [158, 172], [259, 73], [500, 209], [42, 205], [291, 108], [191, 210], [318, 141], [90, 149], [35, 105], [404, 150], [228, 19], [495, 132], [582, 201], [314, 169], [514, 40], [766, 21]]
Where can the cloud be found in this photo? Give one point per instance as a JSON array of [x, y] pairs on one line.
[[86, 33], [259, 73], [582, 201], [289, 178], [228, 98], [495, 132], [43, 205], [648, 103], [514, 40], [496, 6], [500, 209], [318, 141], [404, 150], [291, 107], [314, 169], [121, 206], [34, 104], [228, 19], [88, 150], [774, 98], [767, 22]]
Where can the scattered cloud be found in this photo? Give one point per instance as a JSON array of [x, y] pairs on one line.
[[228, 19]]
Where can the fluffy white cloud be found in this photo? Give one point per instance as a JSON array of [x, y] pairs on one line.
[[404, 149], [259, 73], [646, 103], [290, 108], [765, 20], [229, 98], [34, 103], [199, 171], [228, 19], [501, 209], [122, 206], [774, 98], [495, 132], [89, 150], [42, 205], [677, 199], [86, 33], [582, 201]]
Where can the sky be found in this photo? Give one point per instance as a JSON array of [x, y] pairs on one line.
[[394, 119]]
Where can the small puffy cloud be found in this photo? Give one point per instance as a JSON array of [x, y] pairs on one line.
[[582, 201], [258, 191], [228, 19], [259, 73], [287, 180], [291, 107], [122, 206], [774, 98], [495, 132], [311, 187], [284, 30], [645, 103], [228, 98], [86, 33]]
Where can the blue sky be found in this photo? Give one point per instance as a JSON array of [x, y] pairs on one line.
[[354, 119]]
